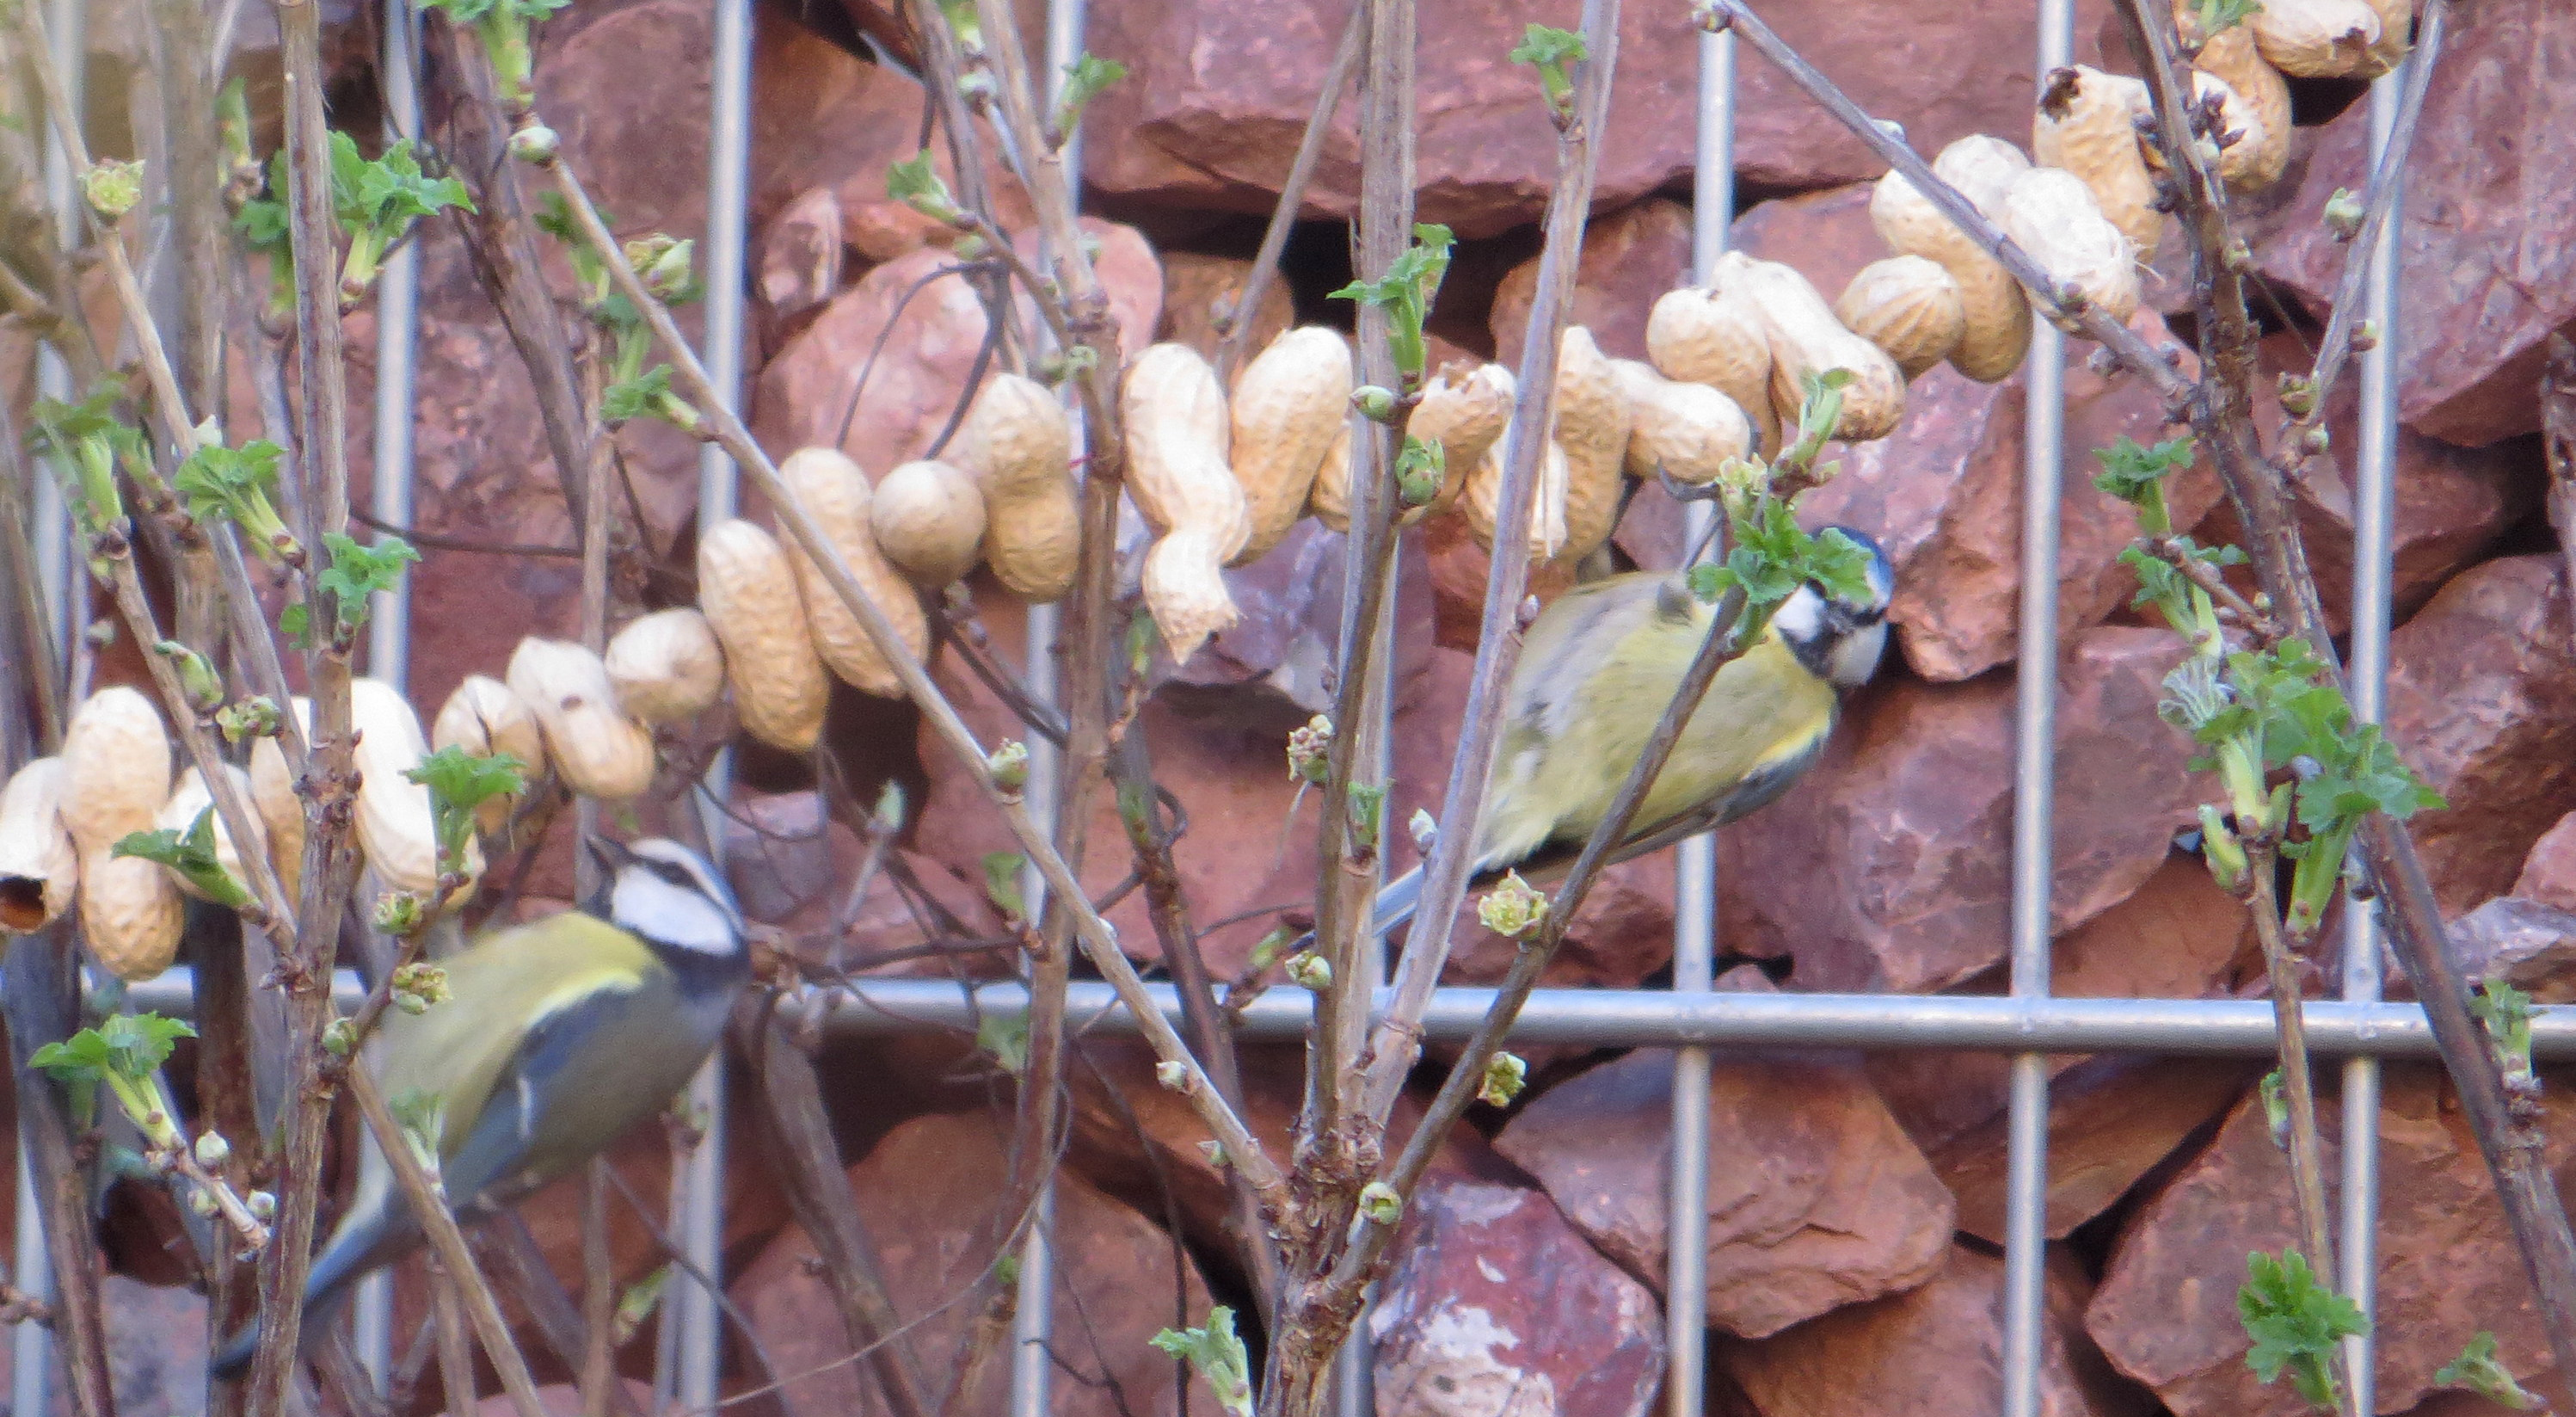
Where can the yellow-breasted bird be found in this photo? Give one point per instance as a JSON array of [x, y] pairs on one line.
[[1596, 670], [554, 1038]]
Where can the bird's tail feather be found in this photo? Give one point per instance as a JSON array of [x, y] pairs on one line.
[[1397, 898], [353, 1251]]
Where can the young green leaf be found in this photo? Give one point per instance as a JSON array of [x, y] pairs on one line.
[[2136, 475], [647, 395], [1005, 1039], [1002, 883], [129, 1046], [2506, 1012], [190, 854], [1551, 51], [233, 484], [2478, 1370], [1084, 79], [1218, 1357], [459, 782], [357, 572], [2295, 1324], [918, 185]]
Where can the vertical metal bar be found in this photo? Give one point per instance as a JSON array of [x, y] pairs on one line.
[[1695, 860], [695, 1334], [68, 22], [31, 1345], [2374, 506], [389, 620], [2034, 769], [1033, 1320]]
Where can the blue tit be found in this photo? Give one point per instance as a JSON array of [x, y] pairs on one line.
[[1595, 672], [555, 1038]]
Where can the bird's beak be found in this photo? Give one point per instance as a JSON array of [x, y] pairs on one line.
[[611, 855]]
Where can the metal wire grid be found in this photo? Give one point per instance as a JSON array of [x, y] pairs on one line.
[[2028, 1023]]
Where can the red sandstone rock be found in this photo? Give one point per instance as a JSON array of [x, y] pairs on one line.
[[1193, 287], [1944, 495], [1496, 1304], [2166, 1311], [925, 1194], [1826, 235], [800, 255], [1887, 866], [1217, 96], [2452, 503], [1815, 1197], [804, 396], [2112, 1119], [2482, 704], [2549, 872], [2524, 943], [2488, 267], [1928, 1353], [1630, 257]]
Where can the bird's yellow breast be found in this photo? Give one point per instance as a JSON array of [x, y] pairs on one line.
[[1594, 677], [498, 989]]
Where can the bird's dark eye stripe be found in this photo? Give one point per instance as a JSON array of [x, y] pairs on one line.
[[673, 874]]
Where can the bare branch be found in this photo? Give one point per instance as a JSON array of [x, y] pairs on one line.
[[1098, 941], [2123, 342], [1236, 323]]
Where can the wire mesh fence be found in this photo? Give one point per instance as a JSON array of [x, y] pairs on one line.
[[2027, 1023]]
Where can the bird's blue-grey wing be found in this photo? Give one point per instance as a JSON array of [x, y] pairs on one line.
[[541, 1077]]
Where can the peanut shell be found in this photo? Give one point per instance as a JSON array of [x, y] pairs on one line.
[[1592, 425], [2051, 213], [666, 667], [1290, 405], [131, 915], [2087, 124], [116, 764], [596, 749], [928, 519], [2319, 39], [1018, 445], [1685, 430], [748, 592], [1996, 319], [1907, 306], [39, 866], [1807, 340], [1711, 336], [837, 494], [396, 832]]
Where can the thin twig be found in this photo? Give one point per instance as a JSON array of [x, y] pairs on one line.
[[2387, 181], [820, 1195], [1397, 1041], [501, 244], [1235, 324], [1098, 941], [2558, 425], [328, 783], [2298, 1085], [2223, 418], [2123, 342], [2169, 549], [447, 1242], [455, 1359]]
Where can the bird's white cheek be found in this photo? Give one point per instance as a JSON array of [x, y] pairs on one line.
[[1856, 658]]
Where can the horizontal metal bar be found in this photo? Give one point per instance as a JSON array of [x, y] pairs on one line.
[[1651, 1018]]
